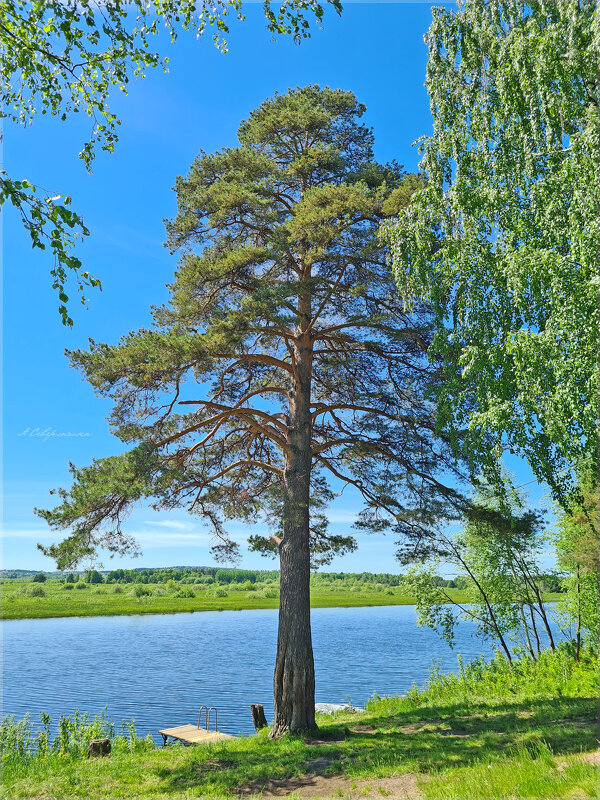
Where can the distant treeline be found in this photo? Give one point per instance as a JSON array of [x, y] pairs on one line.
[[216, 575]]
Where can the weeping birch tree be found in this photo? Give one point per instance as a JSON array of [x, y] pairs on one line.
[[284, 368], [504, 237]]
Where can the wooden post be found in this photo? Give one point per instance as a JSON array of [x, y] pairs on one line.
[[258, 716], [261, 717]]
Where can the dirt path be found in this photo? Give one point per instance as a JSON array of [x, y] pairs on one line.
[[310, 787]]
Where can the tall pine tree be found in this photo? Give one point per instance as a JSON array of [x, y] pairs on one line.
[[285, 358]]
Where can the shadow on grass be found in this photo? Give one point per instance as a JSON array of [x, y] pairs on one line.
[[424, 740]]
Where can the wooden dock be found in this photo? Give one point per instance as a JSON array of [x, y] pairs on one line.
[[191, 734]]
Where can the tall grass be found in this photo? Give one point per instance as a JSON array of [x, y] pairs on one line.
[[24, 747], [554, 674]]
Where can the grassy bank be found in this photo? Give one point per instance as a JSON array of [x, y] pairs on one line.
[[488, 732], [54, 600]]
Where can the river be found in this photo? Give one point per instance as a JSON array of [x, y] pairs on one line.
[[159, 669]]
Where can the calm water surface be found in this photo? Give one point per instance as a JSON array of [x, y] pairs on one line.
[[159, 669]]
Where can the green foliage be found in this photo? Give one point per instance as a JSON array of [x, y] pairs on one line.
[[141, 591], [576, 540], [70, 578], [188, 592], [280, 256], [99, 496], [66, 58], [497, 555], [39, 578], [81, 585], [68, 587], [503, 238], [52, 225], [37, 591], [93, 576], [234, 576]]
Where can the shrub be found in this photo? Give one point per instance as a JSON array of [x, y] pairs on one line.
[[221, 593], [39, 578], [37, 591], [118, 589], [170, 585], [70, 578], [81, 585], [160, 591], [141, 590], [268, 594], [186, 592], [68, 587]]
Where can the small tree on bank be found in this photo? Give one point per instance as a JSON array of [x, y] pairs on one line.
[[577, 541], [497, 558], [284, 358]]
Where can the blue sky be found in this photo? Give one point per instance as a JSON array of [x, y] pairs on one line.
[[51, 416]]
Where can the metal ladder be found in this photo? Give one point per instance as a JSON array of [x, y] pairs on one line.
[[207, 717]]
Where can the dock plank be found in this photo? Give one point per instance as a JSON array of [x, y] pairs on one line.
[[193, 735]]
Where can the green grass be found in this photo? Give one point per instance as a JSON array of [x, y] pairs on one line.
[[98, 600], [489, 732]]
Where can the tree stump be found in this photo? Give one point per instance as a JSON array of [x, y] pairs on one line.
[[99, 747], [258, 716]]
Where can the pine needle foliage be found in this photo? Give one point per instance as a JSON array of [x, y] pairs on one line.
[[278, 241], [284, 367]]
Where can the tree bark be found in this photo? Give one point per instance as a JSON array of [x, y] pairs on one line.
[[534, 628], [578, 632], [294, 679], [526, 632]]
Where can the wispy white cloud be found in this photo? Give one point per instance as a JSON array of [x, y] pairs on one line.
[[183, 535], [178, 539], [163, 523]]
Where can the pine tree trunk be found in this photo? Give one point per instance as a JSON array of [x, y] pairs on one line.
[[294, 679]]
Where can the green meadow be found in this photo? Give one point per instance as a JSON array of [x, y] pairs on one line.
[[85, 600]]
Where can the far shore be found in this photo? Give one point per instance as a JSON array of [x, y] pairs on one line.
[[104, 600]]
